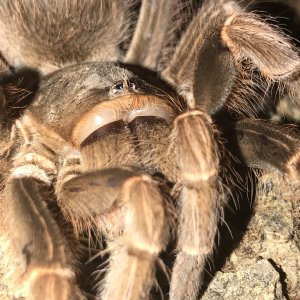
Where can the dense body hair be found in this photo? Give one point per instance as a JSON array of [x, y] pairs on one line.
[[125, 128], [47, 35]]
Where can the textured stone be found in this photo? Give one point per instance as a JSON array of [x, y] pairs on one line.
[[250, 280], [266, 263]]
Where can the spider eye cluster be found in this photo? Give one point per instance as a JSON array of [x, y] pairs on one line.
[[118, 88], [132, 85], [121, 87]]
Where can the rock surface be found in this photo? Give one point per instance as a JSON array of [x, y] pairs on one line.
[[266, 263]]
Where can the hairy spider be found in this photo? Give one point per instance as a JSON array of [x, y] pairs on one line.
[[129, 135]]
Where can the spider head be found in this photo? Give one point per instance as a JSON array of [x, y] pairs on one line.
[[78, 100]]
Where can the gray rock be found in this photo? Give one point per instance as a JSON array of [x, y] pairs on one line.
[[266, 264]]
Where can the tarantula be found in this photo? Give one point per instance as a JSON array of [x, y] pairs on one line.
[[129, 133]]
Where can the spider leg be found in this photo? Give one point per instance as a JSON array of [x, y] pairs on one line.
[[247, 36], [149, 33], [37, 248], [201, 41], [222, 37], [90, 197], [198, 161], [269, 50], [36, 236], [266, 145]]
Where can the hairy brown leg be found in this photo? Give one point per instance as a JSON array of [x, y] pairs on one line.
[[36, 236], [223, 38], [90, 197], [38, 244], [198, 161], [149, 34], [200, 32], [49, 270], [265, 145], [249, 37]]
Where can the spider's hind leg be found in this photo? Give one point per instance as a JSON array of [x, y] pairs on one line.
[[265, 145]]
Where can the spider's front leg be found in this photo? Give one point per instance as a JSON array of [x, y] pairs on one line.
[[261, 144], [38, 244], [128, 208], [227, 38], [197, 155], [224, 39], [269, 50]]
